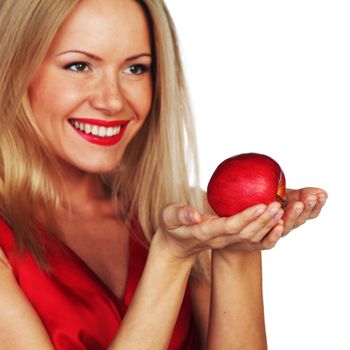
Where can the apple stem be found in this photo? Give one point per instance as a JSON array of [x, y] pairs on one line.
[[282, 200]]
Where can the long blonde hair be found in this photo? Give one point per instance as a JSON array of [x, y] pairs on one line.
[[28, 171], [157, 164]]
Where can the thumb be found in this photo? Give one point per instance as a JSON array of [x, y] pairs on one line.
[[176, 215]]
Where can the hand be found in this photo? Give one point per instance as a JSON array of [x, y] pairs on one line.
[[302, 205], [186, 233]]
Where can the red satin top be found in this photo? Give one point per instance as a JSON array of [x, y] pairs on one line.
[[76, 307]]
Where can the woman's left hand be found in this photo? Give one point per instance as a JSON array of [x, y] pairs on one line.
[[302, 205]]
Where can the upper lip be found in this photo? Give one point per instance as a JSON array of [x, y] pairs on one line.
[[100, 122]]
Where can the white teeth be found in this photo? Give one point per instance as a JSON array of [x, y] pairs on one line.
[[102, 131], [95, 130], [109, 132], [88, 128]]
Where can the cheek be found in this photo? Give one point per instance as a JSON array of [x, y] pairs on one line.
[[51, 97], [145, 98], [149, 96], [139, 97]]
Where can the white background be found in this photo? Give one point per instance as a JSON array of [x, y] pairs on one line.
[[274, 77]]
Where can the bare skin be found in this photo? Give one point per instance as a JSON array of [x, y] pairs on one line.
[[110, 86], [172, 254]]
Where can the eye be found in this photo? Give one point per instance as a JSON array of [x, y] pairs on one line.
[[137, 69], [78, 67]]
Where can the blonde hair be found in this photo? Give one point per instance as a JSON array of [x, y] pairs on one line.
[[28, 171], [162, 159], [158, 162]]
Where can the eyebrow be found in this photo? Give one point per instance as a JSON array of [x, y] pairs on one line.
[[81, 52], [97, 58]]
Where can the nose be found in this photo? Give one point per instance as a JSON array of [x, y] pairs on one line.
[[107, 96]]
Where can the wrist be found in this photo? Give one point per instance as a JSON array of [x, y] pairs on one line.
[[170, 252], [237, 260], [229, 255]]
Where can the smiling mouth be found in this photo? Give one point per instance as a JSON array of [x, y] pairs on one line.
[[99, 132], [95, 130]]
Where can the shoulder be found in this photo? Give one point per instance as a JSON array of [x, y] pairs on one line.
[[20, 326]]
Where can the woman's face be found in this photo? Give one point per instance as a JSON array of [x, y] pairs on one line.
[[94, 89]]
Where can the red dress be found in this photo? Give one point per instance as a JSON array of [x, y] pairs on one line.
[[76, 307]]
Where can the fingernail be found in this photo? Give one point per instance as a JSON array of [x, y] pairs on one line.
[[258, 211], [311, 203], [279, 231], [322, 199], [191, 217], [196, 218], [188, 216], [278, 216], [274, 210], [298, 211]]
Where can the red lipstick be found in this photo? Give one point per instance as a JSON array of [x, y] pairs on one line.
[[94, 123]]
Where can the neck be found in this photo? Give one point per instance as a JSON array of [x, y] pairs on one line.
[[84, 191]]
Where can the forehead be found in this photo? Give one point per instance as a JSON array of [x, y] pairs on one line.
[[95, 24]]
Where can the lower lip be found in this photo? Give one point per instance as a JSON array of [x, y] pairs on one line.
[[102, 141]]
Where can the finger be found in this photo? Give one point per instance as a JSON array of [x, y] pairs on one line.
[[313, 203], [291, 215], [238, 222], [292, 195], [177, 215], [301, 194], [257, 229], [321, 200], [271, 239], [309, 205], [4, 261], [266, 241], [212, 227]]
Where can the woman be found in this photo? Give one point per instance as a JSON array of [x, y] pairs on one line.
[[94, 122]]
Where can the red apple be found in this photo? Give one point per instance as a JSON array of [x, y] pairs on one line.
[[244, 180]]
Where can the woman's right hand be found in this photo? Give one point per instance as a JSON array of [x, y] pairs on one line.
[[185, 232]]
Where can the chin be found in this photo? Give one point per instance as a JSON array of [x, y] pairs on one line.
[[100, 168], [81, 168]]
